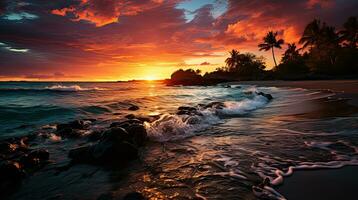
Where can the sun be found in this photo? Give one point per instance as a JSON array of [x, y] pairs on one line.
[[150, 78]]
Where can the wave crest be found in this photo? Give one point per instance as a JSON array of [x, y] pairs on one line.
[[71, 88], [173, 126]]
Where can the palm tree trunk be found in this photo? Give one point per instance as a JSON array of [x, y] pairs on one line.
[[273, 55]]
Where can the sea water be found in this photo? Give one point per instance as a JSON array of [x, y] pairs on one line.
[[220, 154]]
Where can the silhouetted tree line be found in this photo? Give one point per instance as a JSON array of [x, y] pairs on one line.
[[325, 53]]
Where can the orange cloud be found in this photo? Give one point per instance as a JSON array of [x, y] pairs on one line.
[[103, 12]]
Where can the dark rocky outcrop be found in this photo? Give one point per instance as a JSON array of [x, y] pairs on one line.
[[114, 146], [138, 134], [117, 145], [187, 110], [133, 108], [76, 124], [215, 105], [17, 161], [72, 129], [35, 159], [11, 176], [268, 96]]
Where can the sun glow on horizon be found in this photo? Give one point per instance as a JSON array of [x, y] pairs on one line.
[[151, 78]]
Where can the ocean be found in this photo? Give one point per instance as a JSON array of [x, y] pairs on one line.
[[218, 154]]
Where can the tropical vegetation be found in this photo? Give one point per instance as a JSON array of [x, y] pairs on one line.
[[322, 52]]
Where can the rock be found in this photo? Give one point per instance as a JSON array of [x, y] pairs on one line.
[[130, 116], [69, 133], [138, 134], [192, 120], [35, 159], [116, 134], [11, 176], [183, 112], [114, 152], [115, 124], [134, 196], [11, 170], [82, 154], [6, 147], [13, 147], [77, 124], [215, 105], [126, 123], [133, 108], [114, 147], [268, 96], [41, 154], [238, 87], [95, 135], [187, 108]]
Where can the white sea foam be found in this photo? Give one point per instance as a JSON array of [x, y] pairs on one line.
[[171, 126], [244, 106], [71, 88], [320, 145]]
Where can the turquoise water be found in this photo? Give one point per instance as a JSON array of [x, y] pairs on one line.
[[26, 106], [221, 154]]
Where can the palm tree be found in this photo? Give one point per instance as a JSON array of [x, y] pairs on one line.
[[330, 42], [291, 54], [311, 34], [350, 32], [232, 61], [270, 42]]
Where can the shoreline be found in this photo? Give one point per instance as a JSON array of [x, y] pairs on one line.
[[328, 184], [344, 89]]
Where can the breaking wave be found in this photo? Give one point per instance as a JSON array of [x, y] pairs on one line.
[[54, 88], [73, 88], [173, 126]]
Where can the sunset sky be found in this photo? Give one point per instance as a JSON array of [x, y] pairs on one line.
[[103, 40]]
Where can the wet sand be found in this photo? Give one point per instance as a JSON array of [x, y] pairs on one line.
[[343, 88], [327, 184]]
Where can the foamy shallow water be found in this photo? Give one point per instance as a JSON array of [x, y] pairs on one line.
[[222, 154]]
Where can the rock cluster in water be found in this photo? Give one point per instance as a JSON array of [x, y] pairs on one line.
[[117, 145], [18, 160], [268, 96]]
